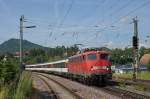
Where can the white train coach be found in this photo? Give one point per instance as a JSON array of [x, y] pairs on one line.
[[56, 66]]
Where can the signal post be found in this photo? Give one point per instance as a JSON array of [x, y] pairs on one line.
[[135, 49]]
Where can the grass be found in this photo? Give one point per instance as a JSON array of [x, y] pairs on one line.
[[4, 93], [7, 91], [24, 87], [20, 91], [122, 84], [141, 88], [142, 75]]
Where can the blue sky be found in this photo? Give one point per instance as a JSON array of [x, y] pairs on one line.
[[93, 23]]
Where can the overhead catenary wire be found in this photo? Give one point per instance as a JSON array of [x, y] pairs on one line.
[[66, 14], [110, 7], [130, 12], [104, 28], [61, 23], [64, 18], [115, 12], [122, 7]]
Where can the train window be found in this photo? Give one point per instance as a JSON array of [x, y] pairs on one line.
[[80, 58], [91, 56], [83, 57], [63, 65], [70, 60], [104, 56], [76, 59], [73, 59]]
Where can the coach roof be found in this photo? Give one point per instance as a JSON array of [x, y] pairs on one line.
[[48, 63]]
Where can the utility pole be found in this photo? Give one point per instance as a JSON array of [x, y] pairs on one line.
[[21, 43], [135, 49]]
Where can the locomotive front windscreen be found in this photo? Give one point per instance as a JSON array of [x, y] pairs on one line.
[[104, 56], [91, 56]]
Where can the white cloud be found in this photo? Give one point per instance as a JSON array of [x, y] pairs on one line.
[[109, 44], [126, 19], [142, 44]]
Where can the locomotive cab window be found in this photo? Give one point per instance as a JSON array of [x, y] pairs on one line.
[[83, 57], [91, 56], [104, 56]]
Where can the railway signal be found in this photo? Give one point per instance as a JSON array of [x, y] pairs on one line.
[[135, 42], [135, 49]]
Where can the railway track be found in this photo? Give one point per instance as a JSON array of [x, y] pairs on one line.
[[130, 81], [112, 89], [108, 89], [45, 90], [59, 90], [124, 93]]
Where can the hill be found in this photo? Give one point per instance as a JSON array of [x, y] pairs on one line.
[[12, 46]]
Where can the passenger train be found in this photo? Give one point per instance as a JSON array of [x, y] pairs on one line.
[[90, 67]]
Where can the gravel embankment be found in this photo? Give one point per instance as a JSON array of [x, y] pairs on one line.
[[84, 91]]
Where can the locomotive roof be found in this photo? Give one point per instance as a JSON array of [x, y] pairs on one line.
[[48, 63], [88, 52]]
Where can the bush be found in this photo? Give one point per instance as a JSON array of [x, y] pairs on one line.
[[8, 72]]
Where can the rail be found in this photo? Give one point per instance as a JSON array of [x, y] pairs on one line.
[[130, 81], [76, 96], [54, 94], [124, 93], [109, 89]]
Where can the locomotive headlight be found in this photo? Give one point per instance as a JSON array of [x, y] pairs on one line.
[[108, 67]]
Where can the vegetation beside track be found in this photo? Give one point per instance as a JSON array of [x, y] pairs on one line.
[[11, 86], [137, 86], [8, 77], [24, 88], [141, 75], [20, 90]]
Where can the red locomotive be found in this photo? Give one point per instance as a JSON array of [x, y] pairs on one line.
[[90, 67]]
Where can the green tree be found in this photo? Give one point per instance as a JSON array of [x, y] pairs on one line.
[[121, 56], [50, 54], [141, 51], [8, 70]]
